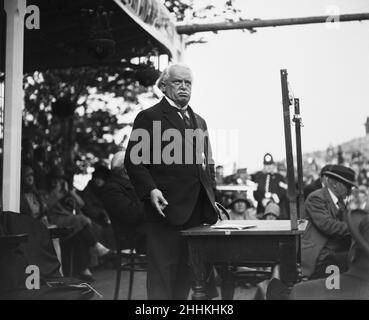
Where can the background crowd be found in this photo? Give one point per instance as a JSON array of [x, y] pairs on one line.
[[48, 194]]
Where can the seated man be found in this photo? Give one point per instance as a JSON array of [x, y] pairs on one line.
[[351, 285], [125, 209], [92, 196], [327, 238]]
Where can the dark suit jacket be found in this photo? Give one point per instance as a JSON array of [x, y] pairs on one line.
[[323, 224], [180, 183], [93, 207], [124, 207], [315, 185], [354, 285]]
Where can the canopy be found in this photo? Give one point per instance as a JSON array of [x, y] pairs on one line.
[[138, 28], [70, 34]]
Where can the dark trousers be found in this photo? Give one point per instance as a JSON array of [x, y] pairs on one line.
[[339, 259], [277, 290], [77, 249], [168, 276]]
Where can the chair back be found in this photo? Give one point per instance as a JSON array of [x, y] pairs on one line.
[[39, 249]]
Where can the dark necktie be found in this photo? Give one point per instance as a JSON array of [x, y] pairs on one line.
[[341, 208], [186, 119]]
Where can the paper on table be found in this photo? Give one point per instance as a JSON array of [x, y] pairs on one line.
[[234, 224]]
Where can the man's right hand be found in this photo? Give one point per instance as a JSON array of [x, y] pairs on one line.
[[158, 201]]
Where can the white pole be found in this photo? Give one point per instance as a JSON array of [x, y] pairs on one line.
[[15, 12]]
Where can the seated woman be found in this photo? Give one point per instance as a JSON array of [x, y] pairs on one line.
[[65, 210], [272, 211], [32, 201], [241, 209]]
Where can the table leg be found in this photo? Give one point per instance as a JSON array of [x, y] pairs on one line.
[[199, 273], [228, 282], [288, 260]]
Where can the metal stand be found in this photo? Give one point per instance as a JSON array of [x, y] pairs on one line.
[[300, 177], [291, 191]]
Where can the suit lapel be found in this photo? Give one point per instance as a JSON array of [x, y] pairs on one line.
[[171, 115], [193, 117], [200, 125]]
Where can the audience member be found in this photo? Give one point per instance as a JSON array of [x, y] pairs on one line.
[[65, 210], [318, 183], [241, 209], [272, 211], [353, 284], [326, 238], [360, 198], [41, 168], [125, 209], [32, 201], [270, 186], [92, 196], [219, 175]]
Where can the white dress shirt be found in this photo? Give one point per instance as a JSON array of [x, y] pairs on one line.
[[334, 198], [173, 104]]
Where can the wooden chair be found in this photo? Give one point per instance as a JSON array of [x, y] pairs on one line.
[[127, 259]]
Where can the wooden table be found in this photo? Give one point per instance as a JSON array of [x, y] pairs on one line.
[[269, 242]]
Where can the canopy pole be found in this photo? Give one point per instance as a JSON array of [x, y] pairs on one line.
[[260, 23], [15, 12]]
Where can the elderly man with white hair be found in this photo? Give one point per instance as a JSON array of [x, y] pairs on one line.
[[177, 188], [123, 206]]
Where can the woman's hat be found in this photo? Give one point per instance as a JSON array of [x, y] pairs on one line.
[[341, 173], [239, 198], [273, 209]]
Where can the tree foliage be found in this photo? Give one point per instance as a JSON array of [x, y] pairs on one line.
[[185, 11], [74, 114]]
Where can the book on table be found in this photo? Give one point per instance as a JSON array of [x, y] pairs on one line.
[[234, 224]]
